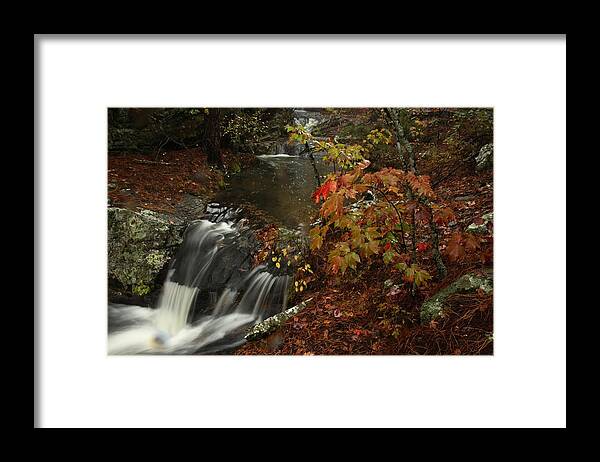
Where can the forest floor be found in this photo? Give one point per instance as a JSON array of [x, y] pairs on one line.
[[137, 180], [359, 315]]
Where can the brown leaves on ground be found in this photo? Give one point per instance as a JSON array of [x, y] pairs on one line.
[[336, 322], [358, 316], [465, 329], [351, 321], [159, 183], [139, 180]]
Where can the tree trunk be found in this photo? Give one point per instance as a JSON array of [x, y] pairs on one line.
[[402, 144], [395, 123], [314, 164], [212, 137]]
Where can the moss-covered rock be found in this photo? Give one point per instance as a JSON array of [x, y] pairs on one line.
[[434, 306], [140, 245], [485, 157]]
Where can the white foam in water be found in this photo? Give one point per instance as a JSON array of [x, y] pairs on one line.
[[174, 306], [269, 156], [168, 330]]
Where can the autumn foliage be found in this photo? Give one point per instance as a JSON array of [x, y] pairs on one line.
[[395, 228]]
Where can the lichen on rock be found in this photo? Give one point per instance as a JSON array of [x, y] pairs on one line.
[[140, 244], [485, 157], [434, 306], [269, 325]]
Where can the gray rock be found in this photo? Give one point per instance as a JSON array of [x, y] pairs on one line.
[[485, 158], [140, 244], [434, 306], [482, 227]]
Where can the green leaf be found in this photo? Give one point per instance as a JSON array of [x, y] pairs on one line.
[[388, 256], [401, 266], [421, 277]]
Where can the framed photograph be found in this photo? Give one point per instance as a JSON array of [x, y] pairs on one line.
[[310, 221]]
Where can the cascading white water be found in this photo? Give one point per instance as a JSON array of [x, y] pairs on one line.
[[212, 260], [174, 307], [307, 119]]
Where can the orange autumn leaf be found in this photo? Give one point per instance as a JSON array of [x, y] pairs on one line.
[[321, 193]]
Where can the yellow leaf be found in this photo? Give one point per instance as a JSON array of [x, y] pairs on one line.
[[315, 243]]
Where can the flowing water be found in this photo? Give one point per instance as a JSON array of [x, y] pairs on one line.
[[212, 295]]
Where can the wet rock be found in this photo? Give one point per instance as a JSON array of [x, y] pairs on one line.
[[485, 158], [369, 196], [191, 207], [434, 306], [140, 245]]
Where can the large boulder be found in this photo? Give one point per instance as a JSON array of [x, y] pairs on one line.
[[140, 245], [485, 157], [434, 306]]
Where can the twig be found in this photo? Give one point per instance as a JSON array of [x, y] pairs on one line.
[[143, 161], [404, 248]]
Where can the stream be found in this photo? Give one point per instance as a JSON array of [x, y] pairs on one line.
[[212, 294], [280, 185]]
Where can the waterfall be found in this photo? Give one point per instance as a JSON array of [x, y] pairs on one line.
[[210, 297], [307, 119]]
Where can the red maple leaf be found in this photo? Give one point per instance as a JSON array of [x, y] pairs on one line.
[[422, 246], [328, 187]]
